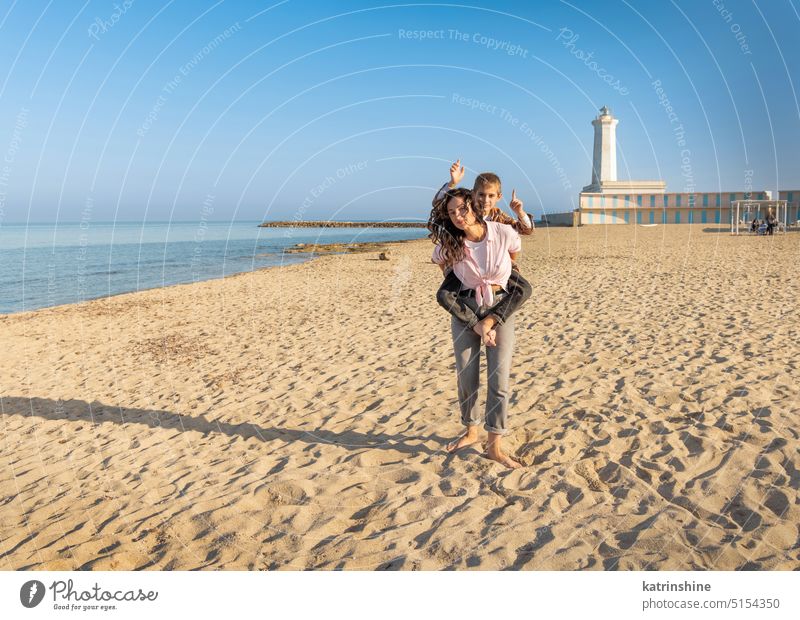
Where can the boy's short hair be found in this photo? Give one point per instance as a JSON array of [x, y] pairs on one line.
[[487, 178]]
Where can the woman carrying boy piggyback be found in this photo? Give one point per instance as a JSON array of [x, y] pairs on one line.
[[481, 291]]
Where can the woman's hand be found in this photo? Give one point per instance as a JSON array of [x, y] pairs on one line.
[[456, 173], [485, 329]]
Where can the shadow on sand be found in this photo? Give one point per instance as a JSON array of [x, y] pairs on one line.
[[95, 412]]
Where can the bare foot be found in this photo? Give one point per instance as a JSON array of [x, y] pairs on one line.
[[503, 458], [467, 439]]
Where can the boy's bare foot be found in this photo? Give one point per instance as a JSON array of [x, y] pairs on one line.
[[467, 439]]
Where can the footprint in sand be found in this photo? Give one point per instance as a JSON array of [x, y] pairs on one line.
[[590, 476]]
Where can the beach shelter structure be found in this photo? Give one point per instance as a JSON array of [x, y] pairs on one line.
[[746, 210]]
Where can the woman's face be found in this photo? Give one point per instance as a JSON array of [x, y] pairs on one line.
[[460, 213]]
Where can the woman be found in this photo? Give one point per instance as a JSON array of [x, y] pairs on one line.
[[480, 254]]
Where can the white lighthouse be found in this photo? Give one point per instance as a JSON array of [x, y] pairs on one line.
[[604, 161]]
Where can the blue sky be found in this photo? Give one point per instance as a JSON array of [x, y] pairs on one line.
[[346, 110]]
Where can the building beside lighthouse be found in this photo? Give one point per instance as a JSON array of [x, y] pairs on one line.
[[607, 200]]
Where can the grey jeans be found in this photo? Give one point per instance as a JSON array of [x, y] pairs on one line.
[[467, 347]]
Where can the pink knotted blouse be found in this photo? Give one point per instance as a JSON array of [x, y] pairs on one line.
[[485, 262]]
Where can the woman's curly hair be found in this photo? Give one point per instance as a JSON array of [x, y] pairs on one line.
[[442, 230]]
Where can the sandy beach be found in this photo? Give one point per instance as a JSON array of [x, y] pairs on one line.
[[295, 417]]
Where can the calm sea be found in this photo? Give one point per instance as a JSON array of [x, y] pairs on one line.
[[50, 264]]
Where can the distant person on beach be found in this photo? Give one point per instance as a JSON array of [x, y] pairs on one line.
[[486, 192], [480, 253], [772, 221], [754, 226]]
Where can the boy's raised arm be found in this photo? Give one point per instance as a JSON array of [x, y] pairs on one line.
[[524, 224]]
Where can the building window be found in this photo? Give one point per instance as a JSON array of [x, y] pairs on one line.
[[627, 217], [639, 201], [703, 217], [690, 217], [666, 200], [705, 200], [653, 201], [732, 197], [677, 217], [638, 217], [590, 201], [790, 196], [717, 216], [603, 201], [664, 216], [719, 200], [652, 217], [677, 200]]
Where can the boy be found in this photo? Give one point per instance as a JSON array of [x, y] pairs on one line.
[[486, 192]]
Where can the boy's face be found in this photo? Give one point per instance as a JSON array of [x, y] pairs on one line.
[[487, 195]]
